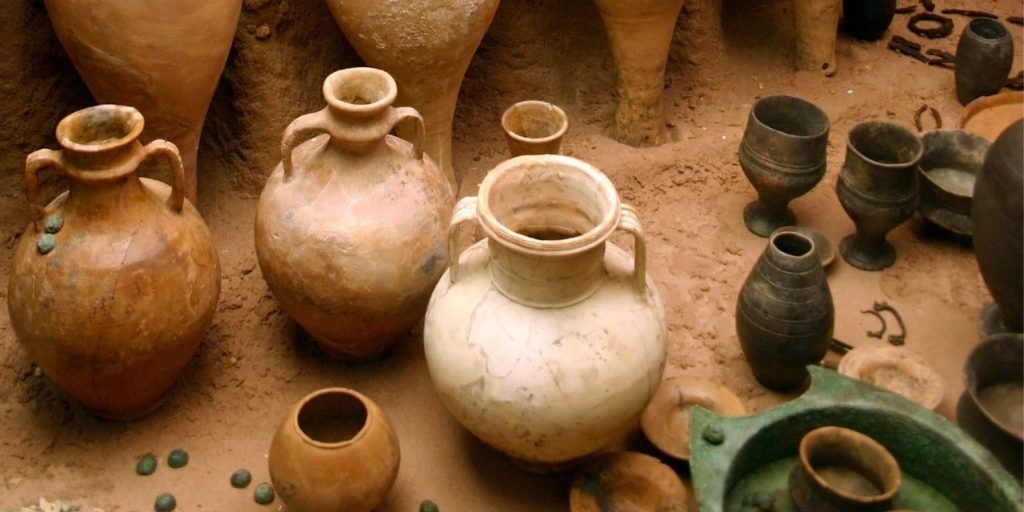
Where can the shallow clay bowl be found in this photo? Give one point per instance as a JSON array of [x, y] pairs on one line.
[[666, 421], [894, 369], [988, 116], [627, 482], [826, 252], [950, 162]]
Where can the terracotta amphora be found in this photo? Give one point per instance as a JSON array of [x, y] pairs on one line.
[[427, 46], [115, 282], [163, 57], [997, 219], [816, 23], [351, 227], [785, 315], [640, 34], [335, 452], [545, 340]]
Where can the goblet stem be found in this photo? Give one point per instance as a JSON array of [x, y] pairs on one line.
[[764, 216], [867, 251]]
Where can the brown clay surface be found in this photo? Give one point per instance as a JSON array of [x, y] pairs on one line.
[[255, 363]]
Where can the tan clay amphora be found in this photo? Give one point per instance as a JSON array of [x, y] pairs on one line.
[[640, 34], [816, 24], [351, 228], [335, 452], [427, 46], [545, 340], [115, 281], [163, 57]]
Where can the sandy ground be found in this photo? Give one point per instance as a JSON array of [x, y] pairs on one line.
[[255, 362]]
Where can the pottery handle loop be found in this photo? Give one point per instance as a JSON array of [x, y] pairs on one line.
[[629, 222], [302, 128], [465, 211], [36, 162], [400, 114], [167, 150]]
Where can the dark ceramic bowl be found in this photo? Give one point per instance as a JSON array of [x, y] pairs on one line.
[[950, 162]]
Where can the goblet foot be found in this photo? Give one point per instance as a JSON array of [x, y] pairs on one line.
[[867, 254], [762, 219]]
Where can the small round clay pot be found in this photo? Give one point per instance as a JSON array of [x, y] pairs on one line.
[[894, 369], [534, 128], [951, 161], [878, 188], [991, 407], [984, 57], [868, 19], [842, 470], [335, 451], [783, 155], [666, 420], [627, 481]]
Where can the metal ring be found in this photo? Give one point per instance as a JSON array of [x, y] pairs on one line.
[[944, 29]]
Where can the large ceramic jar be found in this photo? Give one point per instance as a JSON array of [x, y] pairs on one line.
[[427, 46], [997, 219], [545, 340], [785, 315], [640, 34], [115, 282], [335, 451], [163, 57], [984, 56], [351, 226]]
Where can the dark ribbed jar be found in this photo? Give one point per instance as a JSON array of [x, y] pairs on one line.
[[997, 219], [784, 315], [984, 57], [868, 19]]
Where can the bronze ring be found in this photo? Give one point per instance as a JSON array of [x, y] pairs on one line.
[[944, 29]]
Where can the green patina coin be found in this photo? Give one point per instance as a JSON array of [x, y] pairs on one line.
[[177, 459], [428, 506], [264, 494], [53, 223], [146, 465], [46, 243], [241, 479], [165, 503]]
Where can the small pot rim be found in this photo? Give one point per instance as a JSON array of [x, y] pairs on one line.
[[342, 75], [133, 121], [971, 379], [294, 420], [783, 231], [882, 451], [778, 97], [882, 165], [508, 237], [981, 20], [562, 128]]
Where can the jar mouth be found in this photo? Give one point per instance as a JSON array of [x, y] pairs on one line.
[[885, 145], [332, 418], [792, 243], [827, 452], [361, 90], [535, 121], [548, 204], [791, 116], [100, 128], [987, 28]]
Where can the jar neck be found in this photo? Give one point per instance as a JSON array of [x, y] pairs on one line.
[[359, 134], [103, 179], [545, 280]]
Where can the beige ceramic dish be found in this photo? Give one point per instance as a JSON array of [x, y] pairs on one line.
[[894, 369], [627, 482], [666, 420], [988, 116]]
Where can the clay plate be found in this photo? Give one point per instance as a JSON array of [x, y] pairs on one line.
[[627, 482], [988, 116], [826, 252], [894, 369], [666, 421]]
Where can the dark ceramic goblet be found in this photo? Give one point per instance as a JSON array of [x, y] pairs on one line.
[[783, 156], [984, 57], [878, 188]]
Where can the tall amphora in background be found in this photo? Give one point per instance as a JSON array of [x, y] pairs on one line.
[[640, 34], [427, 46], [163, 57]]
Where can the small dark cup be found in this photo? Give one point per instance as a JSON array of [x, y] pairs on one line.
[[878, 188], [783, 155], [984, 57], [842, 470], [868, 19]]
